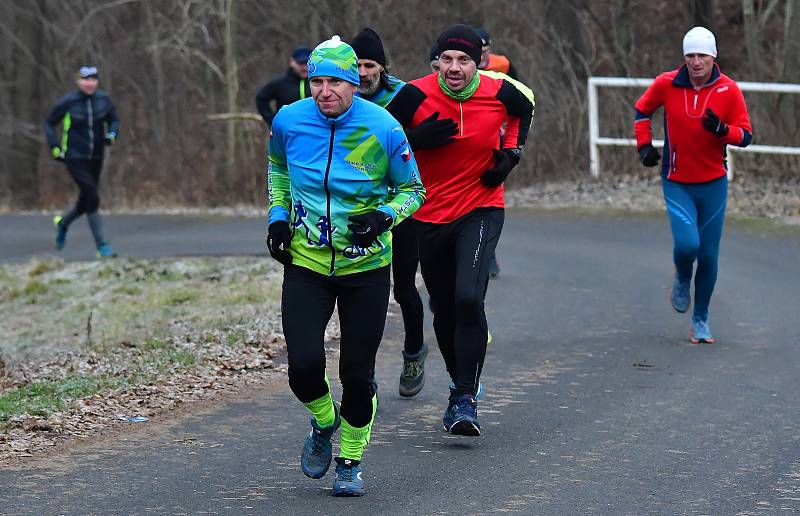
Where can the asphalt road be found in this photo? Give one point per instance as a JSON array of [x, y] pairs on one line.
[[596, 402]]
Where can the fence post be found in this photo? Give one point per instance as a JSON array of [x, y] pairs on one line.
[[594, 129]]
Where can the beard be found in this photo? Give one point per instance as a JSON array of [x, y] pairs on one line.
[[369, 86]]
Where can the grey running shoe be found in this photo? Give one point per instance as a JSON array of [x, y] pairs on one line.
[[412, 378]]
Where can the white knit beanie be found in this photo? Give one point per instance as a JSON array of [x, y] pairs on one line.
[[699, 40]]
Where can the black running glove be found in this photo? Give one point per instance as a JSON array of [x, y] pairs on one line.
[[648, 155], [279, 235], [713, 124], [504, 161], [432, 133], [367, 227]]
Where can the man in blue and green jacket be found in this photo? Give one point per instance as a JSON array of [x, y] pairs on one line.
[[88, 123], [341, 174]]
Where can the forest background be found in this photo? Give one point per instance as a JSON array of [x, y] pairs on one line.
[[177, 69]]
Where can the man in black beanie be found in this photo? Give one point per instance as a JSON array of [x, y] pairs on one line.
[[460, 223], [376, 84]]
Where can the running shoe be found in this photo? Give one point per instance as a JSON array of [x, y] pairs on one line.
[[680, 296], [412, 378], [61, 232], [348, 478], [462, 416], [317, 451], [105, 251], [700, 332]]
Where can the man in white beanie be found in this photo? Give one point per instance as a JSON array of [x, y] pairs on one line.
[[704, 112]]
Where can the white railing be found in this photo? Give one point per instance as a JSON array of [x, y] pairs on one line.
[[595, 140]]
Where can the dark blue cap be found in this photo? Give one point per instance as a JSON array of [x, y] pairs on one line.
[[300, 54], [485, 38]]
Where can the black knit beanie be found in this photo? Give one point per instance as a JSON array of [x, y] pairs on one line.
[[463, 38], [368, 45]]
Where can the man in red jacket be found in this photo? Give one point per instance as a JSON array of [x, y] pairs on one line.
[[462, 217], [704, 111]]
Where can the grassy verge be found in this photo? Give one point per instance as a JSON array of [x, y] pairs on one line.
[[70, 331]]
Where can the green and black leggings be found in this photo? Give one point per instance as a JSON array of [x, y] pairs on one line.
[[307, 304]]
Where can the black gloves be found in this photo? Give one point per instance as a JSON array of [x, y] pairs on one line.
[[504, 161], [648, 155], [432, 133], [279, 234], [368, 226], [714, 125]]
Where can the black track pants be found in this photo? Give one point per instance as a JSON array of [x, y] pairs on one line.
[[86, 174], [455, 260], [405, 260], [307, 305]]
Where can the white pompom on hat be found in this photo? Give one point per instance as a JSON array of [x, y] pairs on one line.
[[700, 40]]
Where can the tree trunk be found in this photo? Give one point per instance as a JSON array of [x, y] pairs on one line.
[[231, 88], [702, 13], [752, 39], [24, 95]]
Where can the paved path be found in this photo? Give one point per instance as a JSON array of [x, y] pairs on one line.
[[595, 400]]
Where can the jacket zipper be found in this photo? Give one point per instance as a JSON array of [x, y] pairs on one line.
[[328, 200], [461, 125], [90, 114]]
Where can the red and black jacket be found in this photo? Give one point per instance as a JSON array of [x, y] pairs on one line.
[[692, 154], [452, 174]]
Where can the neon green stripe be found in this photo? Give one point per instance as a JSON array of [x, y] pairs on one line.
[[65, 132], [302, 90]]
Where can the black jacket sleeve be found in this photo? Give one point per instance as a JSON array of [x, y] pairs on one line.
[[405, 104], [53, 119], [264, 98], [518, 107]]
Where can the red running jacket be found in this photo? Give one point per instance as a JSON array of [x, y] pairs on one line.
[[692, 154], [452, 173]]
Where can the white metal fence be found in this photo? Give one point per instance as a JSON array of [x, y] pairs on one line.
[[595, 140]]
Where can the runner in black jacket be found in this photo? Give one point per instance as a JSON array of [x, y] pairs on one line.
[[288, 87], [89, 123]]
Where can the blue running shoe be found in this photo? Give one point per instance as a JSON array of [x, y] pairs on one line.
[[105, 251], [348, 478], [680, 296], [447, 418], [318, 451], [61, 232], [700, 332], [478, 395], [463, 416]]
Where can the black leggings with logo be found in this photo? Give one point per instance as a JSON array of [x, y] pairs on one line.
[[455, 259]]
